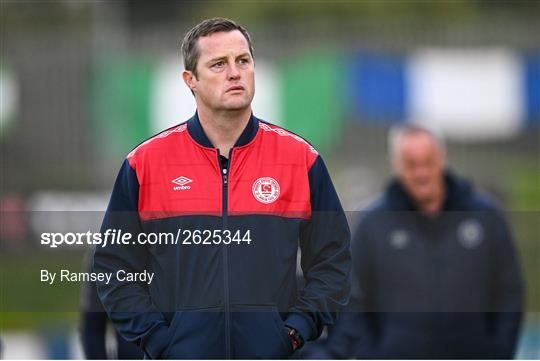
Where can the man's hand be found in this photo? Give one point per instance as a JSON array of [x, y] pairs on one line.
[[296, 339]]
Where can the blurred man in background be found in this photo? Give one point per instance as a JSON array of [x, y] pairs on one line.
[[225, 171], [435, 270]]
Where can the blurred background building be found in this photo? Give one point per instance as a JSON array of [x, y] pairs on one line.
[[82, 82]]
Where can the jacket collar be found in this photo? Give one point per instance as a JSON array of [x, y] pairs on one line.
[[458, 193], [196, 131]]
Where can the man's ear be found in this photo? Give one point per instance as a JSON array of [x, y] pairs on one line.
[[189, 79]]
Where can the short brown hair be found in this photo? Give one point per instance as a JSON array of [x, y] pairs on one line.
[[190, 50]]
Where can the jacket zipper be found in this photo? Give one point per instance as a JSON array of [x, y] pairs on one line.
[[225, 201]]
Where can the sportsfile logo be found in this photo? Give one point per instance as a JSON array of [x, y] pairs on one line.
[[181, 183]]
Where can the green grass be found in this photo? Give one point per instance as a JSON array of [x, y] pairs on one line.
[[25, 301], [525, 187], [524, 201]]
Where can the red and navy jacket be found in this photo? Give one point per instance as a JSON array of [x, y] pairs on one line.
[[216, 300]]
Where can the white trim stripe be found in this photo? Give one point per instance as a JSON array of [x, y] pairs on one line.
[[163, 134], [282, 132]]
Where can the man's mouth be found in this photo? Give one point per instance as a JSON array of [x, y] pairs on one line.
[[235, 88]]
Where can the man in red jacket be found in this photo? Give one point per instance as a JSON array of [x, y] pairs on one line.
[[239, 195]]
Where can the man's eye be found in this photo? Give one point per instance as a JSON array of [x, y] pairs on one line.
[[244, 61], [219, 64]]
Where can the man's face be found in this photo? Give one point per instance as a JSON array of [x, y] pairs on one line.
[[225, 72], [419, 164]]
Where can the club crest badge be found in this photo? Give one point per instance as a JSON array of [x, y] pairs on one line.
[[266, 190], [399, 239], [470, 233]]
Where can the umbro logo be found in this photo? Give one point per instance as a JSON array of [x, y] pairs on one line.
[[181, 183]]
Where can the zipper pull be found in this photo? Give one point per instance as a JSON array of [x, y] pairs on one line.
[[225, 175]]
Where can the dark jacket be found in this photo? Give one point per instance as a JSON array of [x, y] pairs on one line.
[[225, 300], [93, 327], [447, 286]]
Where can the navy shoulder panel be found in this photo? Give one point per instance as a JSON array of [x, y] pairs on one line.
[[125, 193], [323, 193]]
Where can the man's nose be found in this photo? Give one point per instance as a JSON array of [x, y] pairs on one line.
[[233, 72]]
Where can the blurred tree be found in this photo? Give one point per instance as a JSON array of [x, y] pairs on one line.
[[33, 16]]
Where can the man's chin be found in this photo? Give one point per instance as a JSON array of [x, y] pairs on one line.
[[236, 106], [422, 197]]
